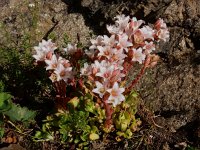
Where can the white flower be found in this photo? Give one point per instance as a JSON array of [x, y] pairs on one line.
[[46, 46], [63, 73], [149, 47], [106, 51], [112, 29], [70, 49], [116, 96], [138, 55], [109, 41], [122, 21], [100, 89], [147, 32], [96, 65], [43, 49], [105, 72], [53, 63], [124, 43], [86, 70], [40, 55], [118, 57], [97, 42], [163, 34], [120, 24]]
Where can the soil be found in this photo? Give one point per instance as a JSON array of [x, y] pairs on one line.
[[170, 90]]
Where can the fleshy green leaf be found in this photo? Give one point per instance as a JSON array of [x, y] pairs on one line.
[[5, 103], [1, 132], [93, 136], [17, 113]]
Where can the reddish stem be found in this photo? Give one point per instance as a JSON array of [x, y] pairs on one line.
[[141, 73], [109, 112], [61, 99]]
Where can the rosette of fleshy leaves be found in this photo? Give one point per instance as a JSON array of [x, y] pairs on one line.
[[130, 42]]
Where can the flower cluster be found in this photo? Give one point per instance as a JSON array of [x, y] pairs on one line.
[[60, 69], [113, 56], [109, 60]]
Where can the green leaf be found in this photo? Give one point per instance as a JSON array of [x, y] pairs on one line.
[[1, 132], [1, 86], [17, 113], [89, 106], [128, 134], [43, 135], [74, 102], [84, 136], [5, 103], [93, 136]]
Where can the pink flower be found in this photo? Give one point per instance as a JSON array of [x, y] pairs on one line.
[[162, 32], [116, 96], [65, 62], [138, 55], [135, 24], [160, 24]]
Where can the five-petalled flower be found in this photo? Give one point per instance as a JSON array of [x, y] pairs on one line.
[[116, 96]]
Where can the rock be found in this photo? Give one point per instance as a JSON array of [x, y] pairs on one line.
[[40, 19], [13, 147], [3, 3], [71, 26]]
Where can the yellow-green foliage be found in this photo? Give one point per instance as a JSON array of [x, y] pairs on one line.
[[83, 122]]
